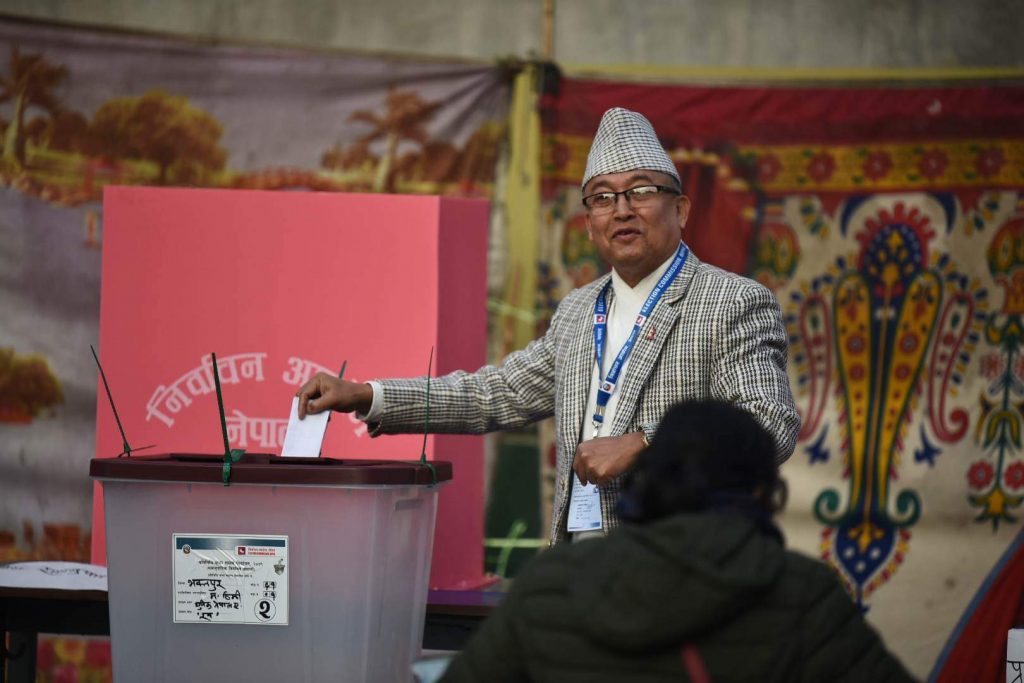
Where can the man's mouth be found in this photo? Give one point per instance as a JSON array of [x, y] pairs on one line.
[[625, 233]]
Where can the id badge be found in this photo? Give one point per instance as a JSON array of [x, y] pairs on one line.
[[584, 507]]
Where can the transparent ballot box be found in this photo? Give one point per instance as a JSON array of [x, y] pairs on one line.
[[301, 569]]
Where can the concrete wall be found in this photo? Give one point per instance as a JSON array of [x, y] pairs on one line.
[[744, 33]]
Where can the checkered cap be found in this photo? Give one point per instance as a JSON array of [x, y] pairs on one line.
[[625, 141]]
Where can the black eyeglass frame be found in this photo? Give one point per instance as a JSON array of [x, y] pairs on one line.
[[661, 189]]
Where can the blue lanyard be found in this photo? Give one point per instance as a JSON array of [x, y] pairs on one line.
[[607, 387]]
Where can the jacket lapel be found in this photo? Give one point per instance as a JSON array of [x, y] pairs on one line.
[[579, 370], [649, 345]]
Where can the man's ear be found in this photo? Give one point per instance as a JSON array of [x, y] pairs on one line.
[[586, 218], [682, 210]]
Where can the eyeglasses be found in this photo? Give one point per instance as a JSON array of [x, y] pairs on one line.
[[603, 202]]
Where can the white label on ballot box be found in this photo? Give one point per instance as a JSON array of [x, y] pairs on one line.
[[222, 579]]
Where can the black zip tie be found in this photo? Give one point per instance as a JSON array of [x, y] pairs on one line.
[[230, 455], [126, 450], [426, 424]]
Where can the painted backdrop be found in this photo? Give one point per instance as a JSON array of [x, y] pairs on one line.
[[890, 224], [80, 110]]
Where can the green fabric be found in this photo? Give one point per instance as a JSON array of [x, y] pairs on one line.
[[620, 608]]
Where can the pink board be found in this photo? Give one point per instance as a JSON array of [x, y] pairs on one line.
[[280, 285]]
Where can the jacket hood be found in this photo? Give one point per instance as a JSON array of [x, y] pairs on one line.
[[656, 585]]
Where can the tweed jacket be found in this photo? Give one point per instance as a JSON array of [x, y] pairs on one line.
[[713, 335]]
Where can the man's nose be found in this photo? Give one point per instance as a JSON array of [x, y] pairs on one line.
[[623, 209]]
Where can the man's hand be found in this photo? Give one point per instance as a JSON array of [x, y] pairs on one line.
[[326, 392], [600, 460]]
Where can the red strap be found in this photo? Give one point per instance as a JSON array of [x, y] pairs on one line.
[[694, 664]]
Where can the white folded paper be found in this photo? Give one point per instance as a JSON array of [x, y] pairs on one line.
[[71, 576], [304, 438]]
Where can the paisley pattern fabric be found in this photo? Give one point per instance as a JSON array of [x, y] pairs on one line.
[[889, 222]]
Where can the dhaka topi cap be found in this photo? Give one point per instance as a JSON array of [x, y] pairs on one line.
[[625, 141]]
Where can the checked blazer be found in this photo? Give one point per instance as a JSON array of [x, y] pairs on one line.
[[713, 335]]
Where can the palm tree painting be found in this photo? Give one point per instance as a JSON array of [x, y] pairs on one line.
[[404, 118], [31, 81]]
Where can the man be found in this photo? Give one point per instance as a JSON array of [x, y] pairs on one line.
[[661, 328]]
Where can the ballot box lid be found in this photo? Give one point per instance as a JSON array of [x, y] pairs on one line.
[[261, 468]]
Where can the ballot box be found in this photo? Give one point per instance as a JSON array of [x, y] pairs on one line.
[[295, 569]]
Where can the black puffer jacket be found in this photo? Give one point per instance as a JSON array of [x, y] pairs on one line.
[[620, 608]]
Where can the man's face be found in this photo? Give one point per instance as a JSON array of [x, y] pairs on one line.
[[635, 240]]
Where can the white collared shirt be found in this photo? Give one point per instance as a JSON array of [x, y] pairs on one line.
[[622, 313]]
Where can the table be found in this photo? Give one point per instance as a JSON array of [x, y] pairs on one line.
[[26, 612], [451, 617]]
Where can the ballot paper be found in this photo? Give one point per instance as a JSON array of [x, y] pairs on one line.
[[304, 438], [584, 507], [71, 576]]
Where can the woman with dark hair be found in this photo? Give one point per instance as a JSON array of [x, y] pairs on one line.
[[698, 587]]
